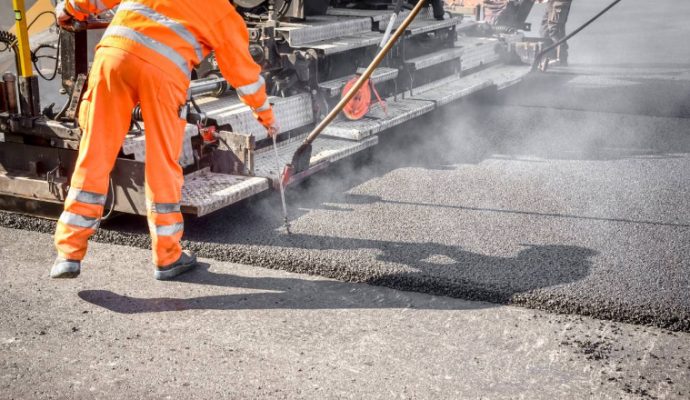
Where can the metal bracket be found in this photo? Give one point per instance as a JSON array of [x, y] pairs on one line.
[[235, 153], [75, 98]]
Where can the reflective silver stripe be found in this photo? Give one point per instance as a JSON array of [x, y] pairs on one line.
[[83, 196], [169, 230], [74, 5], [252, 88], [79, 220], [175, 26], [165, 208], [266, 106], [158, 47]]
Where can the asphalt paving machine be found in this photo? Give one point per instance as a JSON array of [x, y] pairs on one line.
[[309, 51]]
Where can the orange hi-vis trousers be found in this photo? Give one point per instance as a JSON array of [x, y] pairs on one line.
[[117, 82]]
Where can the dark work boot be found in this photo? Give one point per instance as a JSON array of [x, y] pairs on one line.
[[186, 262], [65, 268]]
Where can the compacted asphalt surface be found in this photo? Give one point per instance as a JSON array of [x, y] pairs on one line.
[[242, 332], [569, 193]]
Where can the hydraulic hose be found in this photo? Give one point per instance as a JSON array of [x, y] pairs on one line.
[[10, 41]]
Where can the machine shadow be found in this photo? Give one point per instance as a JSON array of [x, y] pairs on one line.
[[433, 269]]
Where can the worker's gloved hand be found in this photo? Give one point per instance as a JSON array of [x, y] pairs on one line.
[[268, 120], [273, 130], [64, 18]]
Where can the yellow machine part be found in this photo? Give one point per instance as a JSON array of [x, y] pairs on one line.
[[22, 33], [20, 29]]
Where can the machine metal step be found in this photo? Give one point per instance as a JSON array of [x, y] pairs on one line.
[[291, 113], [378, 120], [420, 26], [425, 99], [324, 150], [335, 86], [447, 90], [434, 58], [323, 27], [375, 15], [204, 191], [344, 43]]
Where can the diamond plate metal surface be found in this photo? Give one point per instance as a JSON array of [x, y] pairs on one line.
[[375, 15], [344, 43], [435, 58], [291, 113], [453, 88], [323, 149], [204, 192], [417, 27], [335, 86], [377, 120], [478, 61], [136, 145], [424, 15], [426, 98], [323, 28]]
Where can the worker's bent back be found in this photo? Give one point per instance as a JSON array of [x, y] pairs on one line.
[[176, 35]]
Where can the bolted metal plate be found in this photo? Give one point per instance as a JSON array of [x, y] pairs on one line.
[[335, 86], [291, 113], [204, 191], [324, 149], [434, 58], [323, 27], [136, 145]]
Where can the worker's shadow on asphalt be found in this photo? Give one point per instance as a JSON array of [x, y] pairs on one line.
[[433, 269], [267, 293]]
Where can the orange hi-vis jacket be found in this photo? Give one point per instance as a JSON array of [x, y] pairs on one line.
[[176, 35]]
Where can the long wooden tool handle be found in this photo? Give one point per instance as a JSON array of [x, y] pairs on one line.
[[365, 76]]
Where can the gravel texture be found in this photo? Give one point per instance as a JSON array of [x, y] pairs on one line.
[[570, 195], [235, 331]]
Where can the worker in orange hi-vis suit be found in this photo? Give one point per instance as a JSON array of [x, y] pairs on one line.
[[146, 56]]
